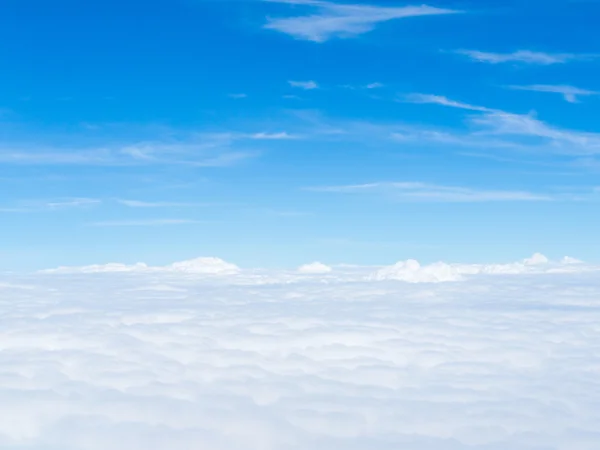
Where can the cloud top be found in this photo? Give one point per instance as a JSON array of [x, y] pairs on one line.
[[314, 268]]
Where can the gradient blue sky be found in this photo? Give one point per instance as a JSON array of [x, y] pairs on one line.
[[273, 133]]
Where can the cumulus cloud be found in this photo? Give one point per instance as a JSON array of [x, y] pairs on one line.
[[164, 361], [329, 20], [204, 265], [315, 267], [412, 271]]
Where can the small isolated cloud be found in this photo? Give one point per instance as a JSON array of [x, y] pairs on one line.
[[238, 96], [326, 20], [374, 85], [314, 268], [570, 93], [524, 56], [423, 192], [272, 136], [306, 85]]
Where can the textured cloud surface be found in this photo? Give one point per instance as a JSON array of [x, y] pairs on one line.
[[504, 357]]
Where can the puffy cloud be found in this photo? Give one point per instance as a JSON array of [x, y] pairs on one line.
[[413, 272], [157, 360], [204, 265], [315, 267]]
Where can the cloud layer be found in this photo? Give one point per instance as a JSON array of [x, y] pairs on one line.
[[161, 360]]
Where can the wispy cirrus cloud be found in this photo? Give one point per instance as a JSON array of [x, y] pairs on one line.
[[327, 20], [443, 101], [424, 192], [306, 85], [34, 206], [146, 204], [273, 136], [497, 128], [525, 57], [192, 149], [570, 93]]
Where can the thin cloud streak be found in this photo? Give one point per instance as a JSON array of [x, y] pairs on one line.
[[497, 128], [570, 93], [333, 20], [424, 192], [144, 204], [201, 150], [443, 101], [525, 57]]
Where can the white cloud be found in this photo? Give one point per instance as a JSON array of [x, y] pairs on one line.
[[519, 125], [204, 265], [496, 128], [570, 260], [314, 268], [168, 361], [207, 150], [416, 191], [375, 85], [273, 136], [145, 204], [570, 93], [32, 206], [306, 85], [412, 271], [238, 96], [524, 56], [444, 101], [333, 20]]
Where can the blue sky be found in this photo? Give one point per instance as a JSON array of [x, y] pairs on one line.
[[273, 133]]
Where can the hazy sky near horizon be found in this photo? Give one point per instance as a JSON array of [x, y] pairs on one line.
[[275, 133]]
